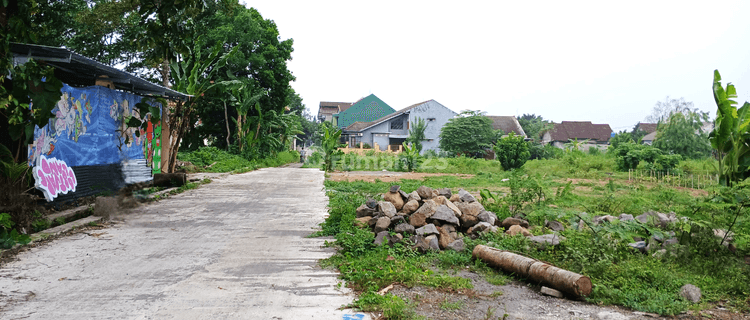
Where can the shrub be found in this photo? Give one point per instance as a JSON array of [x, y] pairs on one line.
[[512, 151]]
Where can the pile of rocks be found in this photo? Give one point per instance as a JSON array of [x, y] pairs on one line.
[[433, 219]]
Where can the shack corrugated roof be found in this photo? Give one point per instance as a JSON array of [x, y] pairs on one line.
[[77, 70]]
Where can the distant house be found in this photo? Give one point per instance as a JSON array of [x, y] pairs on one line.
[[646, 127], [328, 109], [649, 138], [507, 124], [587, 133], [392, 129], [367, 109]]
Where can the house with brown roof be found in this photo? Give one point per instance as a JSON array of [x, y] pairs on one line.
[[391, 131], [327, 109], [507, 124], [587, 133], [646, 127]]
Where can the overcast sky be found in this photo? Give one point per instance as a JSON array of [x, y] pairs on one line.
[[565, 60]]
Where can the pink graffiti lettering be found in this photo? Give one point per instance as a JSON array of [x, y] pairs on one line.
[[53, 177]]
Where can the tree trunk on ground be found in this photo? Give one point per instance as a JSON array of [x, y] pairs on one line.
[[560, 279]]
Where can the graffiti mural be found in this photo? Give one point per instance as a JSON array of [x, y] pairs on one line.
[[54, 177], [89, 129]]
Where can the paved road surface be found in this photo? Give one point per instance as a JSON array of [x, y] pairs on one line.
[[232, 249]]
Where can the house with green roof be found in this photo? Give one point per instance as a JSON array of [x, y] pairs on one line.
[[367, 109]]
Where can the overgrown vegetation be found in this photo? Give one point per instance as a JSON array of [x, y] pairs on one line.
[[210, 159], [575, 187]]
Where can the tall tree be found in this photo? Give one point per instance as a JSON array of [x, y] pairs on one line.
[[534, 126], [663, 109], [471, 133], [682, 134]]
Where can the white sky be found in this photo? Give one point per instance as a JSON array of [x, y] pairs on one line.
[[565, 60]]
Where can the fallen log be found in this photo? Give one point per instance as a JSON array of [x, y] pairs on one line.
[[560, 279]]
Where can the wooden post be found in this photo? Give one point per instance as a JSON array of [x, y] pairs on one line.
[[166, 139]]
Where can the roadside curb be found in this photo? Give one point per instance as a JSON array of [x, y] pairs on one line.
[[64, 228]]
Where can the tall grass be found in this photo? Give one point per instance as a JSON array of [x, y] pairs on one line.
[[211, 159]]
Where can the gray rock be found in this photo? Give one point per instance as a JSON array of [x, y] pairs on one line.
[[387, 208], [599, 219], [427, 230], [433, 242], [365, 211], [488, 217], [640, 246], [449, 227], [403, 194], [414, 196], [424, 244], [395, 188], [457, 245], [398, 219], [482, 227], [371, 203], [394, 239], [720, 233], [659, 219], [445, 214], [548, 239], [445, 192], [424, 192], [428, 208], [551, 292], [470, 208], [404, 228], [554, 225], [659, 253], [509, 222], [691, 293], [382, 224], [670, 242], [381, 238], [411, 206], [465, 196], [626, 217]]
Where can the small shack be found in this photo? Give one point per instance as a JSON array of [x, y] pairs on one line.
[[88, 149]]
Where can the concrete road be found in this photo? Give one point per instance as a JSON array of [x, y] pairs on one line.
[[232, 249]]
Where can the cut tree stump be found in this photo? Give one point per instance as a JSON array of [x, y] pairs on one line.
[[560, 279]]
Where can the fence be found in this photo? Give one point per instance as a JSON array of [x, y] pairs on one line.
[[694, 180]]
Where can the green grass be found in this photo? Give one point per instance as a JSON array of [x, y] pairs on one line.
[[619, 275], [210, 159], [451, 305]]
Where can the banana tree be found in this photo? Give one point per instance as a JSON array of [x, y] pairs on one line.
[[731, 135], [193, 76], [331, 146]]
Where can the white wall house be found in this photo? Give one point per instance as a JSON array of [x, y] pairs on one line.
[[393, 129]]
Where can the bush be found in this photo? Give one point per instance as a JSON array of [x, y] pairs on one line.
[[546, 151], [512, 151]]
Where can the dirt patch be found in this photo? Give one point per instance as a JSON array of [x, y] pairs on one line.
[[388, 176], [516, 300]]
